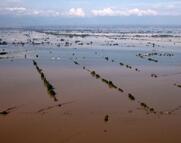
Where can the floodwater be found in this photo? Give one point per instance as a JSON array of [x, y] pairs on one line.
[[87, 108]]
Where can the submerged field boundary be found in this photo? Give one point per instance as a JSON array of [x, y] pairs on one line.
[[50, 88]]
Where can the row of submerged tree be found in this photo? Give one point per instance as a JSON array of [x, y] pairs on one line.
[[130, 67], [48, 85], [122, 64], [145, 57], [149, 55], [112, 85], [130, 96], [153, 75]]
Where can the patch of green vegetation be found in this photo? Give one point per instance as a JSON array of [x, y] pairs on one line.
[[112, 85], [154, 75], [152, 110], [3, 43], [106, 118], [105, 80], [3, 53], [48, 85], [93, 73], [143, 105], [121, 64], [97, 76], [153, 60], [131, 96], [107, 58], [121, 90], [128, 66], [178, 85], [75, 62]]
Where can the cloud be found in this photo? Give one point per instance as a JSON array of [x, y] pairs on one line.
[[127, 12], [22, 11], [73, 12], [77, 12], [139, 12], [15, 9], [93, 8], [104, 12], [49, 13]]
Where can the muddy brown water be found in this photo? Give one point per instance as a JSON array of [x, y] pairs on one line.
[[88, 100]]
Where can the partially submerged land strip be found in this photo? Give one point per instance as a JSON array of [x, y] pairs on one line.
[[7, 111], [149, 56], [5, 55], [149, 59], [48, 85], [174, 110], [53, 106]]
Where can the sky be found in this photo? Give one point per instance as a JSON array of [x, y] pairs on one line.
[[87, 12]]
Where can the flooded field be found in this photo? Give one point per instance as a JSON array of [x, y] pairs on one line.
[[90, 85]]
